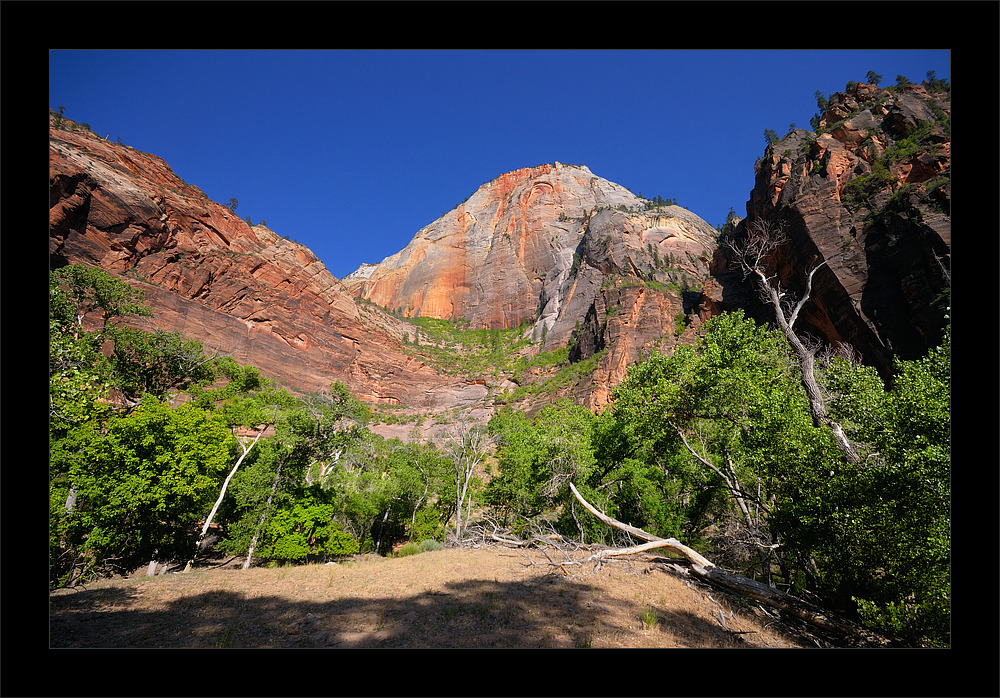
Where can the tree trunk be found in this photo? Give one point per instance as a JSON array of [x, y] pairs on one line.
[[381, 529], [151, 570], [807, 361], [71, 499], [225, 484], [263, 514], [704, 569]]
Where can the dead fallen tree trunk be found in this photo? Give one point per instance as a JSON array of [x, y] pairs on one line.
[[704, 569]]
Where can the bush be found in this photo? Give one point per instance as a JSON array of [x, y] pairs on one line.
[[408, 549], [427, 524], [414, 548]]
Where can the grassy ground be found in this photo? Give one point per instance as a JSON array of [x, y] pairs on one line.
[[453, 598]]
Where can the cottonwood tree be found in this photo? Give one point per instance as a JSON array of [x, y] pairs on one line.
[[468, 447], [537, 458], [753, 256], [140, 480], [78, 291], [79, 374], [314, 430], [727, 423], [263, 414], [249, 405], [158, 363]]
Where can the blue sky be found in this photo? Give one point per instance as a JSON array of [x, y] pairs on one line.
[[352, 152]]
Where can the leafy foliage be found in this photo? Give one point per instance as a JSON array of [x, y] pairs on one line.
[[537, 459], [77, 290], [305, 526], [713, 445], [157, 362], [898, 503], [140, 483]]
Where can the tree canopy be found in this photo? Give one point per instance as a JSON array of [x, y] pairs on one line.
[[152, 441]]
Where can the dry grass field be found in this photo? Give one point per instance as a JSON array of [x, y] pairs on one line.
[[452, 598]]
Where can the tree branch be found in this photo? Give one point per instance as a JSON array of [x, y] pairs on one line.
[[704, 569]]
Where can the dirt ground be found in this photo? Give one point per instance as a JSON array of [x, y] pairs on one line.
[[453, 598]]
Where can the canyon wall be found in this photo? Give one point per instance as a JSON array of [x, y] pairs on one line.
[[869, 194], [241, 289]]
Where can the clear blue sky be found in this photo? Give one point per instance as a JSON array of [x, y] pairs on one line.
[[352, 152]]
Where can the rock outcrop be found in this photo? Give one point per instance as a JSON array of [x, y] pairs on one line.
[[501, 258], [568, 254], [240, 289], [869, 194], [571, 258]]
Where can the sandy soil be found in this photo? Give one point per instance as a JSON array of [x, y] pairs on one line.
[[454, 598]]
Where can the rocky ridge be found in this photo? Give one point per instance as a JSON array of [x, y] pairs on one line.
[[242, 290], [869, 194], [566, 257]]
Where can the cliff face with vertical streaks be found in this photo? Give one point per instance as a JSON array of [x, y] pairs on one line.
[[868, 196], [239, 289]]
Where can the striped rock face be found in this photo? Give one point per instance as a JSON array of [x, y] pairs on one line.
[[533, 247], [241, 290]]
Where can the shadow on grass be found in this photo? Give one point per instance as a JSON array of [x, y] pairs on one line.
[[548, 611]]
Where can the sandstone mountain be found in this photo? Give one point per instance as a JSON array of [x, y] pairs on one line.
[[568, 258], [869, 194], [569, 255], [242, 290]]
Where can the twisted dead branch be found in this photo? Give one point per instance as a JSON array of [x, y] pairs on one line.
[[705, 570]]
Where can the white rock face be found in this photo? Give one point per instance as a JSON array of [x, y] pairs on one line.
[[530, 246]]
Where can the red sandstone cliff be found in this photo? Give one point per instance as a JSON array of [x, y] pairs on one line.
[[575, 256], [572, 257], [240, 289], [869, 194]]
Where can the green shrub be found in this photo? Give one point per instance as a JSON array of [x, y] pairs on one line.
[[427, 524], [408, 549], [430, 544]]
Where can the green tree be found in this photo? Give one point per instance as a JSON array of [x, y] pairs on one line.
[[891, 553], [415, 476], [514, 491], [726, 422], [140, 362], [249, 406], [873, 78], [141, 483], [821, 101], [77, 291], [536, 461], [156, 363], [770, 136], [312, 428], [80, 376], [304, 526], [233, 204]]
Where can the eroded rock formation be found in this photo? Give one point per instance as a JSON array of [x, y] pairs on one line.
[[568, 256], [869, 195], [240, 289]]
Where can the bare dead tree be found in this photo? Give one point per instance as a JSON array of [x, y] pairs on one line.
[[468, 447], [752, 256], [705, 570]]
